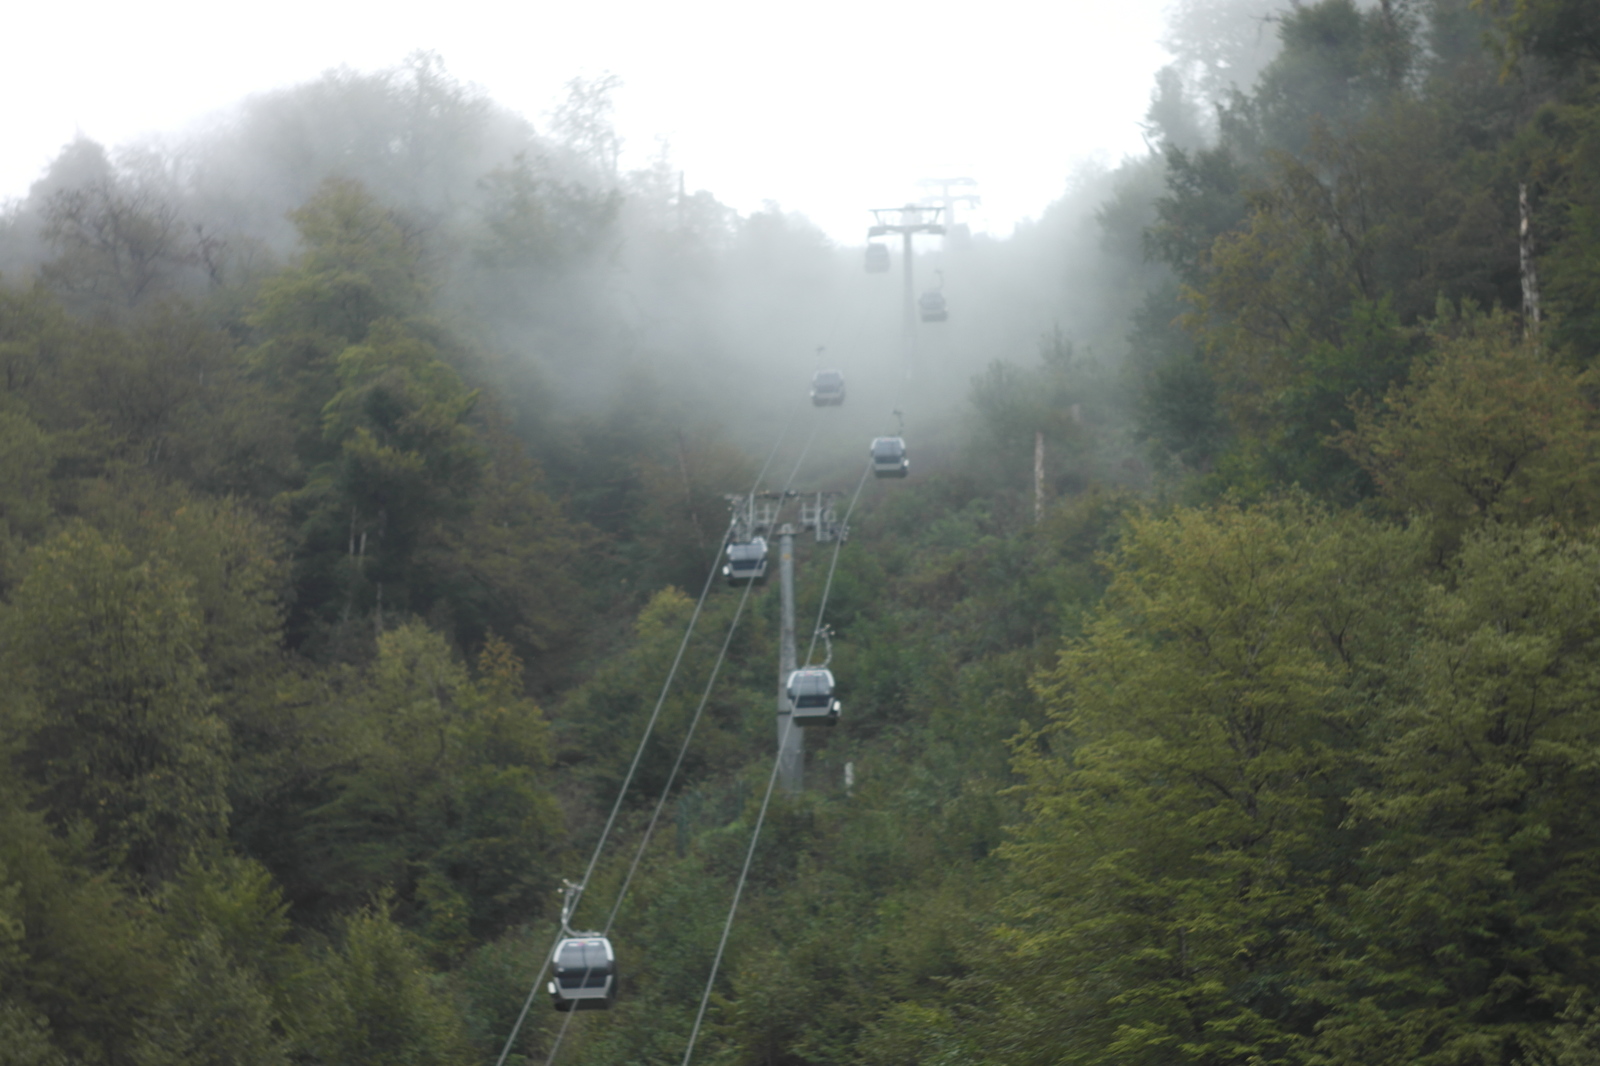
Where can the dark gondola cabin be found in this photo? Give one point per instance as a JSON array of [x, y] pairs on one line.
[[584, 973], [931, 306], [877, 258], [747, 562], [811, 699], [827, 388], [889, 457]]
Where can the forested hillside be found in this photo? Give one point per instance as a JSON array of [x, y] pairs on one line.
[[362, 465]]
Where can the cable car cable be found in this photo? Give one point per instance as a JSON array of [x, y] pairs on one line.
[[744, 873], [766, 799], [561, 1034], [832, 332], [682, 749], [661, 700], [655, 714], [533, 991], [838, 545], [694, 722], [833, 564], [655, 816], [677, 764]]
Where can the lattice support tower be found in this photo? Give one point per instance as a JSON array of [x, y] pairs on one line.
[[819, 513]]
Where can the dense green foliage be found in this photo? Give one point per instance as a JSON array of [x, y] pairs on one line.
[[356, 489]]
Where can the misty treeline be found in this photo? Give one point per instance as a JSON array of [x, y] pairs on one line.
[[361, 461]]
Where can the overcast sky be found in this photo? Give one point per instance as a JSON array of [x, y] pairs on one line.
[[827, 107]]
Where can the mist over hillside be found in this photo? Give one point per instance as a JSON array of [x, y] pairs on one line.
[[580, 286]]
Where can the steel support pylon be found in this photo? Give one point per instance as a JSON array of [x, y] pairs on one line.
[[911, 219], [908, 317], [791, 738]]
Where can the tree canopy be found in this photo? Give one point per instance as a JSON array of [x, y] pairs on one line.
[[1220, 688]]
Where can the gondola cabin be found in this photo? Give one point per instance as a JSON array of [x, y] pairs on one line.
[[583, 973], [811, 699], [827, 388], [877, 258], [889, 457], [747, 562], [930, 305]]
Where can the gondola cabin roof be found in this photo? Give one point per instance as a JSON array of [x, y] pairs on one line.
[[888, 448], [811, 680], [889, 457], [583, 973], [748, 551], [827, 388], [812, 700], [585, 952], [811, 696], [747, 561]]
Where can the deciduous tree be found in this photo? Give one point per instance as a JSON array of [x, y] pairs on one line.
[[119, 728]]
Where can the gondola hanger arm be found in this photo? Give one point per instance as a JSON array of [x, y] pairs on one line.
[[570, 891], [826, 633]]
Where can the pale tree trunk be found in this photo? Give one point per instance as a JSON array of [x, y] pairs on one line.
[[1038, 475], [1530, 273]]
